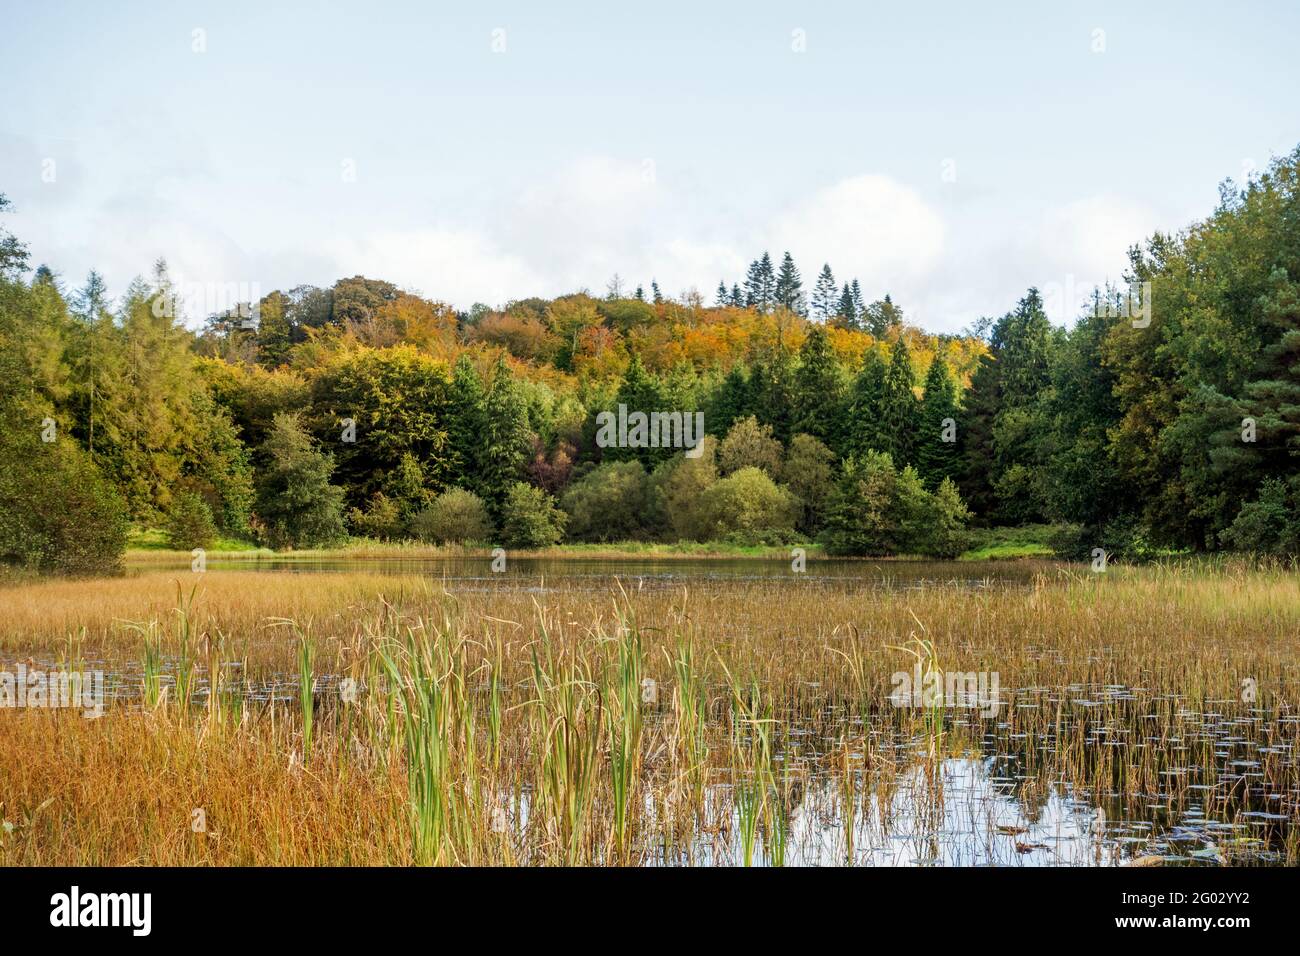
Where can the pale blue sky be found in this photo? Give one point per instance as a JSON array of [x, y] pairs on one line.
[[667, 140]]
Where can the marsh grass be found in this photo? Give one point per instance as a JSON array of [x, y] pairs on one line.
[[505, 727]]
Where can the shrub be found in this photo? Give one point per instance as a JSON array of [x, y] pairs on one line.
[[382, 518], [1271, 523], [750, 445], [748, 508], [57, 513], [676, 491], [947, 536], [608, 503], [529, 518], [189, 523], [877, 510], [809, 474], [296, 504], [454, 517]]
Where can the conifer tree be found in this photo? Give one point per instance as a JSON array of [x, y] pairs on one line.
[[937, 457], [824, 295], [789, 287]]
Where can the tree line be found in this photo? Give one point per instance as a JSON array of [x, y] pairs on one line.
[[364, 409]]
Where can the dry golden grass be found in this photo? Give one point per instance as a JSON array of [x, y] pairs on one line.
[[501, 726]]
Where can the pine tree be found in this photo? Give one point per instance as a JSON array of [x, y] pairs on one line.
[[858, 305], [866, 408], [656, 295], [723, 297], [730, 402], [641, 391], [506, 437], [819, 391], [937, 458], [467, 406], [824, 295], [296, 503], [900, 412], [789, 287], [737, 297], [846, 313], [760, 284]]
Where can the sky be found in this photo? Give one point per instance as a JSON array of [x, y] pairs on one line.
[[950, 154]]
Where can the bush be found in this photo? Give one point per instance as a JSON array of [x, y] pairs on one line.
[[607, 504], [454, 517], [750, 445], [189, 523], [529, 518], [877, 510], [382, 518], [947, 536], [748, 508], [57, 513], [676, 490], [1271, 523], [296, 504], [809, 474]]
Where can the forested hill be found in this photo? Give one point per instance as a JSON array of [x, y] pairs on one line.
[[362, 408]]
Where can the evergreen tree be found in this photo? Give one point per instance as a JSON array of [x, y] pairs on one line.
[[723, 297], [655, 293], [760, 284], [819, 391], [846, 312], [789, 287], [824, 295], [937, 458], [296, 503], [730, 402], [466, 409], [882, 317], [737, 297], [858, 305], [865, 431], [900, 412], [506, 437]]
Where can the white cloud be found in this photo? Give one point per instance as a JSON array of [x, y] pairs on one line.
[[460, 267], [869, 226]]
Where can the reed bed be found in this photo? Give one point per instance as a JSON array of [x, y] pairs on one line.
[[319, 719]]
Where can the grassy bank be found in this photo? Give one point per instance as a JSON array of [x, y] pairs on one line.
[[990, 544]]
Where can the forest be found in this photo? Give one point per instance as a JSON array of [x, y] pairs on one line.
[[363, 410]]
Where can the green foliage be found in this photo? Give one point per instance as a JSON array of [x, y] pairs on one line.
[[936, 457], [809, 474], [750, 445], [609, 503], [296, 504], [456, 516], [877, 510], [381, 518], [506, 438], [57, 512], [819, 391], [529, 518], [746, 507], [865, 431], [676, 492], [398, 399], [1271, 523], [189, 523]]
